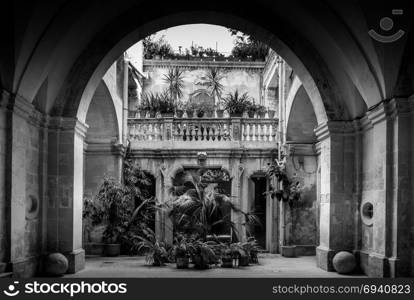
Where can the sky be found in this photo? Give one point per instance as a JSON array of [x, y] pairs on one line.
[[204, 35]]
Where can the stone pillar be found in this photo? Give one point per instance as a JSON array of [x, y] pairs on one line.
[[65, 181], [21, 198], [391, 128], [163, 224], [237, 170], [336, 146]]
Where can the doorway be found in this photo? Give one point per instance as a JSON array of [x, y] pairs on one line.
[[259, 208]]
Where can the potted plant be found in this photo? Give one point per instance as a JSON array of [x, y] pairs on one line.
[[227, 258], [182, 250], [155, 251], [204, 109], [166, 105], [116, 206], [236, 104], [179, 109], [271, 113], [252, 249], [189, 108], [240, 254], [202, 255], [93, 228]]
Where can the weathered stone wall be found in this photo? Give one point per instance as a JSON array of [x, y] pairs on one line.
[[241, 76], [302, 167]]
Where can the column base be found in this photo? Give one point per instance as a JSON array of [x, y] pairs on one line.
[[76, 260], [378, 266], [398, 268], [324, 258], [25, 268]]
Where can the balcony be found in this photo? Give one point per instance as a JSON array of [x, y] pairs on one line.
[[189, 133]]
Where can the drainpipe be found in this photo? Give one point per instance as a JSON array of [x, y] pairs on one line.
[[125, 102]]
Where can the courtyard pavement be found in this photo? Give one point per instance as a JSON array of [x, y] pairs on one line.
[[270, 266]]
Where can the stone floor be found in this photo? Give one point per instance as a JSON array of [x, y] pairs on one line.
[[270, 265]]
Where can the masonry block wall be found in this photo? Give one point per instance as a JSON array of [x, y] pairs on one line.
[[241, 76]]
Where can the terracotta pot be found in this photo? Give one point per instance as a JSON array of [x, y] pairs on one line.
[[220, 113], [168, 115], [112, 249], [180, 113], [244, 260], [227, 262], [271, 113], [190, 113]]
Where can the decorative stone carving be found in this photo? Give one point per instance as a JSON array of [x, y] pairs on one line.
[[367, 213], [32, 207]]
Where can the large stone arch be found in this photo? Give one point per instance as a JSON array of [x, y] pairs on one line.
[[102, 156], [301, 120], [66, 47], [314, 73]]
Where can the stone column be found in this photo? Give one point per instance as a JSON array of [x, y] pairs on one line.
[[391, 129], [336, 146], [65, 181], [164, 226], [237, 218]]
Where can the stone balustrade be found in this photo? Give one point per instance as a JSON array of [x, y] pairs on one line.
[[205, 129]]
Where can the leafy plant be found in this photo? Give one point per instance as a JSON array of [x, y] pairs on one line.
[[236, 103], [116, 209], [253, 108], [157, 102], [213, 82], [175, 81], [246, 47], [156, 253], [196, 209], [159, 47]]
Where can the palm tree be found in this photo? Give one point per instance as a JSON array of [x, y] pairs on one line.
[[198, 209], [214, 78], [174, 79]]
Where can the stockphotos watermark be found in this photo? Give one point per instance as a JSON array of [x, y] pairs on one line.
[[71, 288], [386, 25]]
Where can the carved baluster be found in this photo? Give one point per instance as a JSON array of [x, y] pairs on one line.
[[261, 131]]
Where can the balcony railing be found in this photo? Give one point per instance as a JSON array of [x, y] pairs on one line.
[[206, 129]]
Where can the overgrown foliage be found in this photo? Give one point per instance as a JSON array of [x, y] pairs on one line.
[[288, 190], [196, 209], [248, 48]]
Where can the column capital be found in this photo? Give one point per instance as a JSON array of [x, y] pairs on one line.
[[390, 108], [64, 124], [330, 128]]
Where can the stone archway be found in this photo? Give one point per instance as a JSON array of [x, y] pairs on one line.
[[62, 59]]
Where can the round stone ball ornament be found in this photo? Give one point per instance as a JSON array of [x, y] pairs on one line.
[[344, 262], [56, 264]]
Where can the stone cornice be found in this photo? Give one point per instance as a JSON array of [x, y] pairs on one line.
[[194, 64], [192, 154], [104, 148], [67, 124], [385, 110], [390, 108]]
